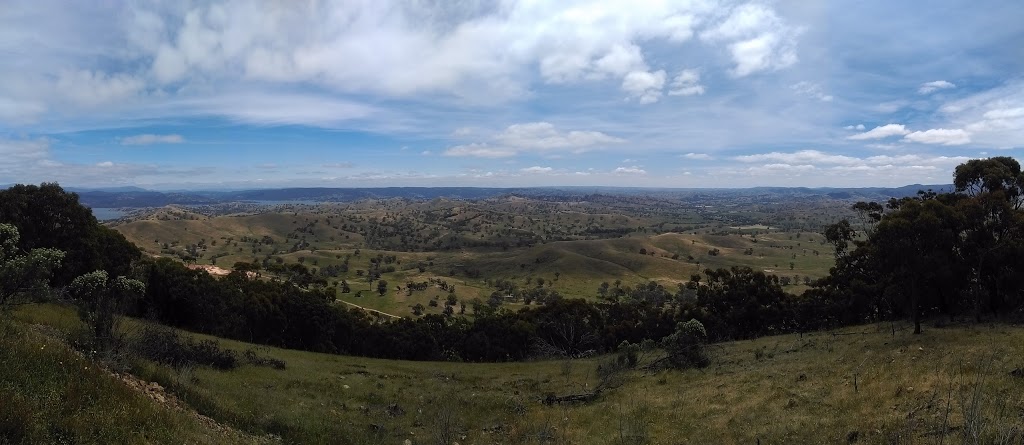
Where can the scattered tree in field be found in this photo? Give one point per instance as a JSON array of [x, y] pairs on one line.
[[382, 287], [100, 301]]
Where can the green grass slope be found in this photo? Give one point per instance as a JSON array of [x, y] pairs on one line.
[[50, 394], [867, 384]]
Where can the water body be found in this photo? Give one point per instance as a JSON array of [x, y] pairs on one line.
[[107, 214], [271, 203]]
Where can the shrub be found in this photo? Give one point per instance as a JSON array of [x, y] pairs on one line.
[[164, 346], [687, 346]]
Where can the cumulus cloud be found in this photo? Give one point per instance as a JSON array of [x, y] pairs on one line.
[[687, 83], [993, 118], [632, 170], [759, 40], [881, 132], [147, 139], [644, 85], [537, 169], [939, 136], [858, 127], [930, 87]]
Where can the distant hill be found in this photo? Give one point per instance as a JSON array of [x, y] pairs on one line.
[[134, 197]]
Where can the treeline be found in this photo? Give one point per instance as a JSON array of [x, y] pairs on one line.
[[735, 303], [948, 254]]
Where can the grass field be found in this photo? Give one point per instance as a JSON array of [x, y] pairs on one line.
[[867, 384]]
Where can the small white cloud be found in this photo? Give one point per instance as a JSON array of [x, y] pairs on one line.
[[629, 161], [698, 156], [939, 136], [930, 87], [632, 170], [644, 85], [881, 132], [426, 153], [479, 151], [858, 127], [687, 83], [147, 139], [537, 169], [811, 90], [105, 164]]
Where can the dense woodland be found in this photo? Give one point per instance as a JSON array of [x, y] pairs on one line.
[[952, 255]]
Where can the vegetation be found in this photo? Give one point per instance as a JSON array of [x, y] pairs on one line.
[[956, 255]]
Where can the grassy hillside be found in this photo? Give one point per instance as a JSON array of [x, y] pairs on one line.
[[327, 236], [868, 384], [51, 394]]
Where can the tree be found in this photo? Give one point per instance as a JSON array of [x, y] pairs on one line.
[[23, 274], [382, 287], [839, 235], [686, 346], [48, 217], [100, 301]]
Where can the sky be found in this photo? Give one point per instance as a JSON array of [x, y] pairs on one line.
[[660, 93]]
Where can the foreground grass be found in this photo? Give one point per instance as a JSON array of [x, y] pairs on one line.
[[869, 384], [50, 394]]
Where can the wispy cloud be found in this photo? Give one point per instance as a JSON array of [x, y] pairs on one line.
[[149, 139]]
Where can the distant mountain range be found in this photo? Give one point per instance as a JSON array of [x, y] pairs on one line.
[[134, 197]]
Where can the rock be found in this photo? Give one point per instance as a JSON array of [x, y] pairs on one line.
[[1017, 372]]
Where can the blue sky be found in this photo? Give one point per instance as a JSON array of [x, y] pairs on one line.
[[689, 93]]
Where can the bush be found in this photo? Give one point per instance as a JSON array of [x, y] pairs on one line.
[[164, 346], [687, 346]]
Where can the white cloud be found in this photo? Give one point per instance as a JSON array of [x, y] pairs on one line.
[[881, 132], [90, 88], [992, 118], [687, 83], [537, 169], [544, 136], [22, 152], [799, 157], [632, 170], [479, 151], [698, 156], [147, 139], [939, 136], [930, 87], [759, 40], [105, 164], [858, 127], [540, 137], [811, 90], [644, 85]]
